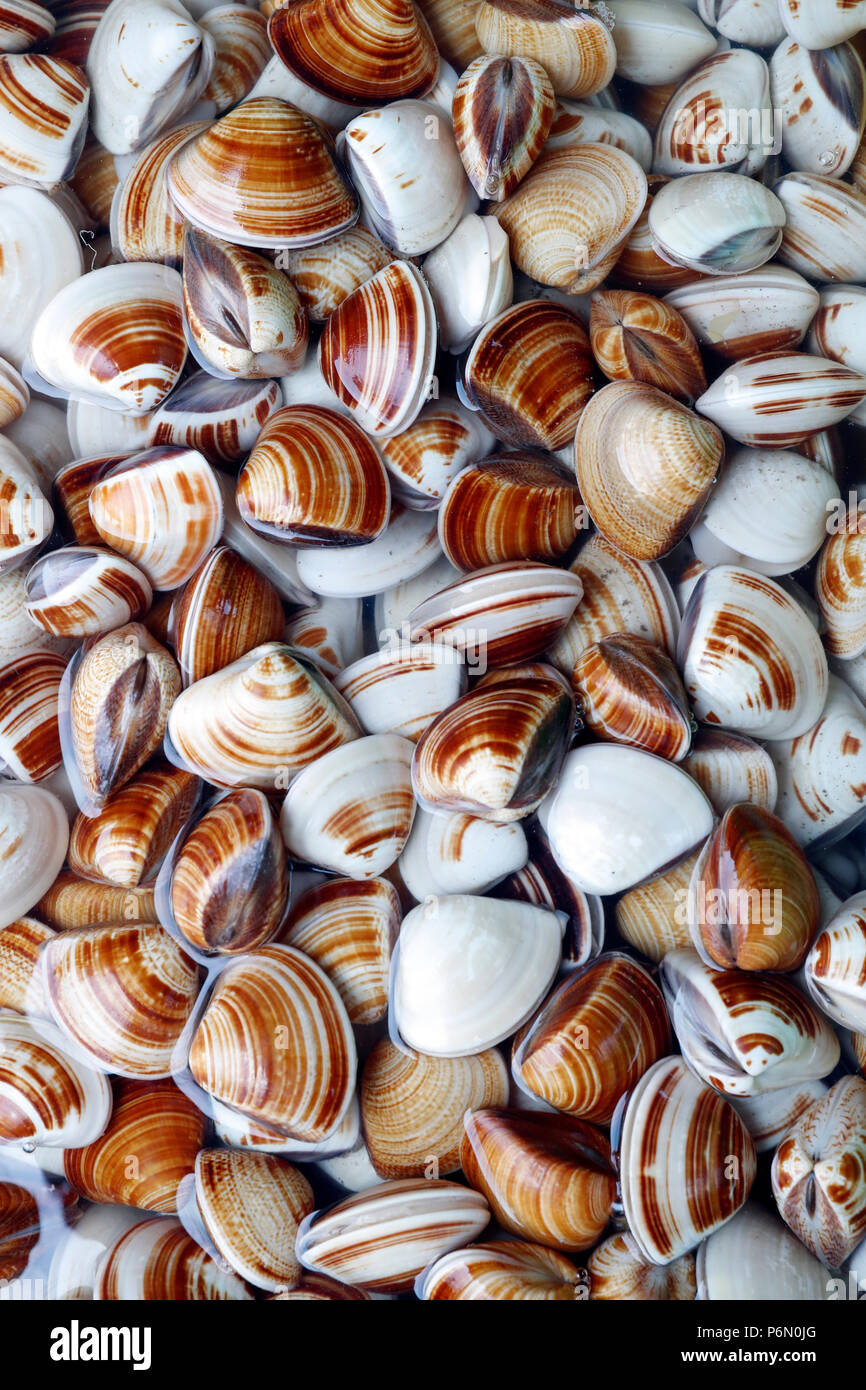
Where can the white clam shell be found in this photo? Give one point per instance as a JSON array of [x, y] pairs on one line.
[[43, 118], [835, 970], [755, 1258], [24, 23], [825, 227], [470, 279], [408, 546], [765, 309], [393, 606], [26, 518], [820, 98], [459, 854], [39, 253], [579, 123], [720, 115], [422, 461], [821, 23], [780, 398], [469, 971], [331, 634], [41, 435], [718, 223], [277, 81], [19, 635], [769, 1114], [96, 430], [620, 815], [657, 43], [839, 327], [402, 688], [34, 833], [822, 774], [753, 22], [72, 1273]]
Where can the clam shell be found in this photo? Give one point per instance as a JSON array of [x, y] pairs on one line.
[[318, 1288], [543, 884], [745, 1033], [71, 901], [858, 1042], [314, 478], [635, 337], [753, 22], [630, 691], [157, 1261], [24, 24], [330, 635], [750, 658], [617, 1271], [220, 419], [127, 841], [452, 23], [95, 180], [581, 123], [517, 506], [660, 43], [378, 349], [818, 1169], [838, 588], [470, 279], [41, 149], [645, 465], [78, 591], [753, 902], [824, 227], [19, 955], [48, 1098], [120, 994], [263, 175], [503, 1271], [121, 693], [425, 458], [768, 1115], [737, 316], [570, 215], [241, 52], [156, 1123], [575, 48], [26, 520], [777, 398], [407, 547], [836, 330], [836, 966], [821, 100], [568, 1055], [145, 224], [41, 253], [822, 25], [638, 264], [497, 751], [351, 810], [652, 917], [264, 717], [277, 563], [459, 854], [305, 1052], [19, 635], [114, 337], [244, 316], [672, 1128], [325, 275], [14, 394], [276, 81], [19, 1211], [715, 118], [357, 50], [754, 1258], [719, 223], [731, 768], [400, 690], [97, 430], [75, 25], [530, 374], [821, 772], [34, 833], [640, 815], [441, 1005], [502, 113], [29, 734], [72, 488], [226, 608]]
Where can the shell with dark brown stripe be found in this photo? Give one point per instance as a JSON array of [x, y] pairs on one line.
[[225, 609], [20, 944], [630, 691], [145, 224], [76, 902], [29, 734], [502, 112], [780, 398], [73, 485], [638, 338], [836, 966], [127, 841], [357, 51], [516, 506], [78, 591], [43, 118], [221, 419]]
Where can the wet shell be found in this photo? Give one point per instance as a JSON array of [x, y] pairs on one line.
[[469, 276], [78, 591], [753, 902], [269, 714], [502, 113], [575, 48], [572, 1057], [619, 815], [836, 966], [444, 1007], [839, 587], [753, 1257], [318, 1288], [277, 562], [718, 224], [732, 768], [825, 227], [241, 51], [349, 929], [412, 1106], [357, 50], [305, 1052], [149, 1145], [818, 1169], [26, 519], [744, 1033], [95, 181], [496, 752], [121, 694], [351, 810], [749, 656], [145, 224], [314, 478], [570, 215], [29, 734], [530, 373], [221, 419], [546, 1178], [325, 275], [517, 506], [657, 44], [75, 902], [43, 120], [249, 1207], [645, 465], [75, 25], [41, 253], [114, 337], [157, 1261], [754, 22], [73, 486], [821, 98], [402, 689], [128, 840], [678, 1139], [19, 1215], [34, 833], [459, 854], [581, 123], [48, 1098], [635, 337], [617, 1271], [822, 773], [630, 691], [715, 118], [652, 917], [122, 995], [243, 314], [19, 636], [503, 1271], [638, 264], [764, 310], [836, 330], [225, 609], [452, 23], [264, 175], [20, 943], [425, 458]]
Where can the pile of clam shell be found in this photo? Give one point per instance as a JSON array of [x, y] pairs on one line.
[[432, 649]]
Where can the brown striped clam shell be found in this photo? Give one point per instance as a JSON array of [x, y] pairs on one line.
[[241, 51], [229, 882], [652, 917], [145, 224], [731, 768], [764, 310], [327, 274], [770, 1114], [587, 122], [635, 337], [48, 1097], [78, 591], [125, 844], [349, 929], [496, 751], [571, 1057], [20, 943], [75, 22], [686, 1162], [329, 635], [547, 1178], [244, 316], [377, 350], [314, 478], [157, 1261], [422, 460], [858, 1043], [639, 265], [72, 488], [530, 374], [617, 1271], [381, 1239], [224, 610], [836, 966], [821, 773], [629, 690], [503, 1271], [19, 1211], [43, 119], [14, 394], [452, 23], [221, 419], [778, 399], [840, 583], [29, 733], [645, 465], [148, 1146], [23, 25], [517, 506], [305, 1052], [821, 96], [357, 51], [121, 694], [575, 47], [824, 227], [26, 519], [753, 901], [94, 182], [19, 635], [402, 689], [77, 902], [502, 113], [122, 994], [818, 1173], [460, 854], [263, 175], [702, 128], [318, 1288], [412, 1106]]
